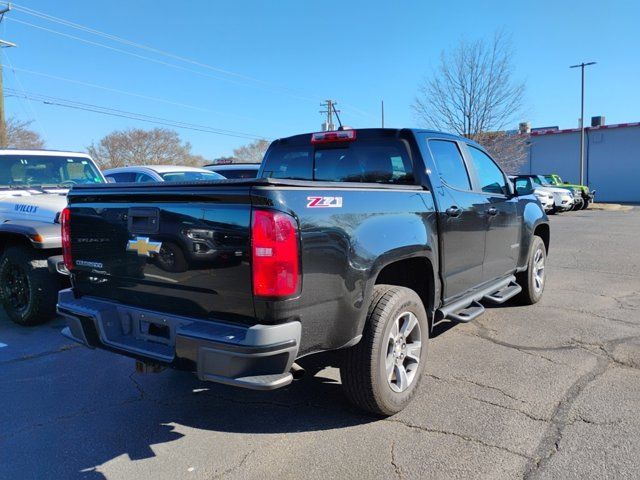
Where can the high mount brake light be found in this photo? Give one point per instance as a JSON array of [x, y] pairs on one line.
[[65, 228], [330, 137], [275, 254]]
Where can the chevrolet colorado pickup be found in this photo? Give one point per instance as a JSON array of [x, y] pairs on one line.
[[360, 240]]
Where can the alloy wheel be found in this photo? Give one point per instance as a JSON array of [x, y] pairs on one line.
[[403, 352]]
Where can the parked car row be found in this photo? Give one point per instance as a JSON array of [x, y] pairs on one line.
[[178, 173], [555, 195]]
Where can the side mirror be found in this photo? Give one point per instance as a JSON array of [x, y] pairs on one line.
[[110, 179]]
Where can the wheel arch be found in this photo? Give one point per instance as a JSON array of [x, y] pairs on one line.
[[416, 273], [543, 231]]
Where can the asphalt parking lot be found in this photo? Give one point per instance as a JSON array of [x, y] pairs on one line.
[[550, 391]]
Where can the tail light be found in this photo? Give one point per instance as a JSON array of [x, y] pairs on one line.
[[65, 226], [275, 254]]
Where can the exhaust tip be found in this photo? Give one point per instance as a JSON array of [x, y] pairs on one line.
[[297, 371]]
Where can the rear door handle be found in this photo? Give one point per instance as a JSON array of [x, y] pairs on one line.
[[453, 211], [492, 211]]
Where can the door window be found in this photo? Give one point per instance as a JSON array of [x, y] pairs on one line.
[[491, 178], [450, 164], [523, 186]]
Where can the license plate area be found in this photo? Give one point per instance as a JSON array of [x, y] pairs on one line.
[[143, 332]]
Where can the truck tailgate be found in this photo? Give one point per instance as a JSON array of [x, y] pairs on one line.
[[182, 248]]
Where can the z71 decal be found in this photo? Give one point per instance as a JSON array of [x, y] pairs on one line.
[[324, 202]]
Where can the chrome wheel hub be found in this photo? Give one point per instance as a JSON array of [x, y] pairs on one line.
[[403, 352]]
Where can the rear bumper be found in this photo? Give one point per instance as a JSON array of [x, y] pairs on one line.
[[257, 357]]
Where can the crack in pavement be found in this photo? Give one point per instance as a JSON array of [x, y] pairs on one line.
[[526, 414], [24, 358], [396, 467], [602, 348], [478, 384], [457, 435], [594, 314], [586, 270], [527, 350], [235, 467], [549, 445], [137, 385]]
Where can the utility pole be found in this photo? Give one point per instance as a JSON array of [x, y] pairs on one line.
[[582, 65], [330, 106], [382, 111], [3, 120]]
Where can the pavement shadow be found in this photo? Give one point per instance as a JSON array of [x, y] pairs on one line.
[[98, 409], [126, 413]]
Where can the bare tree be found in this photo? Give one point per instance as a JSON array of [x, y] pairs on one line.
[[509, 149], [135, 146], [19, 135], [251, 153], [473, 90]]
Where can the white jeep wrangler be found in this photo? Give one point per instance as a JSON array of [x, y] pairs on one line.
[[33, 189]]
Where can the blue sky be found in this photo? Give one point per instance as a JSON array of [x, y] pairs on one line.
[[276, 61]]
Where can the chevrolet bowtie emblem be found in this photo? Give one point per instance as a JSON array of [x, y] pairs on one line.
[[143, 247]]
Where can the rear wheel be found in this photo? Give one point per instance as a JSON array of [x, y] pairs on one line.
[[28, 290], [382, 372], [532, 280]]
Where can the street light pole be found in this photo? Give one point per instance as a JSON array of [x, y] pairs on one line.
[[582, 65]]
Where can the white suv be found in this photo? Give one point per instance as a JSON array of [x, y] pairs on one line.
[[33, 189]]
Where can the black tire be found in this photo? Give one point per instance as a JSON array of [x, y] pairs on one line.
[[586, 204], [527, 280], [28, 291], [363, 370], [171, 258]]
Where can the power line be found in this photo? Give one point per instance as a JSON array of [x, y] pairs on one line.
[[119, 50], [28, 102], [61, 102], [68, 23], [124, 92], [286, 90]]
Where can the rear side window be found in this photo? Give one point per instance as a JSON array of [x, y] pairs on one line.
[[490, 176], [290, 163], [123, 177], [385, 161], [450, 164]]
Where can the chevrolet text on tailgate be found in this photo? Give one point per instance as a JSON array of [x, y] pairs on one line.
[[353, 240]]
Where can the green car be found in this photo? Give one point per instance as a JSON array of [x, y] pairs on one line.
[[587, 195]]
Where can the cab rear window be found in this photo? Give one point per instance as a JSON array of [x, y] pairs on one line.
[[361, 161]]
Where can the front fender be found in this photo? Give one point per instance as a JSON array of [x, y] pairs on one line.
[[41, 235], [532, 217]]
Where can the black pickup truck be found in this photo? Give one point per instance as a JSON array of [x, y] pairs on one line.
[[360, 240]]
